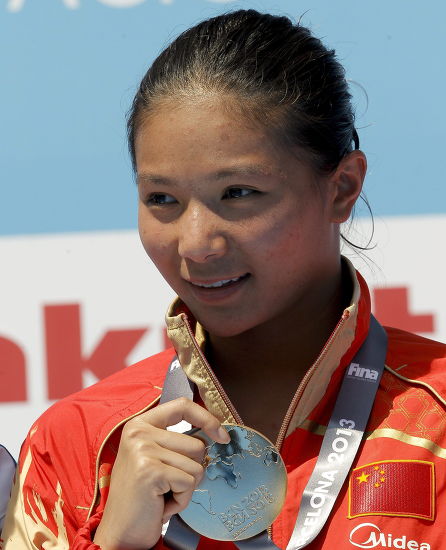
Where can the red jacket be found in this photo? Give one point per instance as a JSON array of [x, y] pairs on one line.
[[395, 497]]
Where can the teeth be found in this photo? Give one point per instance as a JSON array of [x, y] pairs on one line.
[[218, 283]]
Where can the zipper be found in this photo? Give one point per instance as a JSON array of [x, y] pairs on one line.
[[214, 379], [96, 480], [306, 379], [301, 388]]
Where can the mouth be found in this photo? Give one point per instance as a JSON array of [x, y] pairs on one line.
[[218, 291], [221, 283]]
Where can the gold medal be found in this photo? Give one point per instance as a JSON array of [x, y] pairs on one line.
[[243, 487]]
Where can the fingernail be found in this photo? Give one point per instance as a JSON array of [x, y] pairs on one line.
[[223, 434]]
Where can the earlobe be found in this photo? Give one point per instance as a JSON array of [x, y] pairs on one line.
[[347, 183]]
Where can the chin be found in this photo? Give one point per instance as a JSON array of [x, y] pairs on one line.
[[226, 327], [226, 332]]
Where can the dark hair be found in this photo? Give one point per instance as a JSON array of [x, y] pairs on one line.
[[279, 73]]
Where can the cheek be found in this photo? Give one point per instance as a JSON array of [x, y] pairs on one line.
[[161, 257], [154, 239], [145, 233], [278, 239]]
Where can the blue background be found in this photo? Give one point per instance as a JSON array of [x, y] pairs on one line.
[[69, 75]]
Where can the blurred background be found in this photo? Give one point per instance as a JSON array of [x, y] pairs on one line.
[[78, 297]]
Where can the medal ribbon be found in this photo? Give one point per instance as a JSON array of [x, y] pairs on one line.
[[339, 446]]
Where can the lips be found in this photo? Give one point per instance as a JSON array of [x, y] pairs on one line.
[[218, 291], [220, 283]]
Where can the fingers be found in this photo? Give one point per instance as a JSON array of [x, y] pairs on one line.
[[177, 410], [176, 486], [155, 473], [141, 438], [173, 459], [179, 443], [169, 480], [176, 504]]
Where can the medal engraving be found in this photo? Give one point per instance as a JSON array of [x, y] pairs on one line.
[[243, 488]]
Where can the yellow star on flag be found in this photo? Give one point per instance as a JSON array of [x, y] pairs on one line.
[[363, 477]]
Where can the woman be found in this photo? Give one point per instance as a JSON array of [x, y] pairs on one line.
[[247, 161]]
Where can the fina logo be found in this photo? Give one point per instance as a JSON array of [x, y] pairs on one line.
[[369, 535], [356, 371]]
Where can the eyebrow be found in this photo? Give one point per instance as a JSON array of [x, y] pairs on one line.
[[243, 170], [246, 170], [153, 178]]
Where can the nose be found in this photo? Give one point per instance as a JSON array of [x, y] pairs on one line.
[[201, 238]]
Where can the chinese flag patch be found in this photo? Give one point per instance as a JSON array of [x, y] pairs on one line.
[[393, 488]]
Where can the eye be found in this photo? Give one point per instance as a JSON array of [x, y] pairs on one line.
[[160, 199], [238, 192]]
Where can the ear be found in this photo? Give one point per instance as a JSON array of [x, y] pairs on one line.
[[347, 182]]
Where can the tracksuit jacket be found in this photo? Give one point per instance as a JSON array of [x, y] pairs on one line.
[[395, 496]]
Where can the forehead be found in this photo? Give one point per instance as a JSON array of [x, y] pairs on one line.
[[210, 121], [205, 135]]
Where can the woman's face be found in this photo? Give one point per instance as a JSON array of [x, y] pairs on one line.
[[239, 227]]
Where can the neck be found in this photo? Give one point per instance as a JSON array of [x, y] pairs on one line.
[[299, 333], [271, 359]]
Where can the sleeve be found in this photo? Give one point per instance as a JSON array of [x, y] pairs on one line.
[[41, 515]]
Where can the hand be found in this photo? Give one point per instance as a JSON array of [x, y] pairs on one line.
[[155, 474]]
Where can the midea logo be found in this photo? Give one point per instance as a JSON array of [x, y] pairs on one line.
[[369, 535]]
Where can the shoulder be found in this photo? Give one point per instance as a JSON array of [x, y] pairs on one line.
[[403, 343], [418, 360], [414, 354]]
